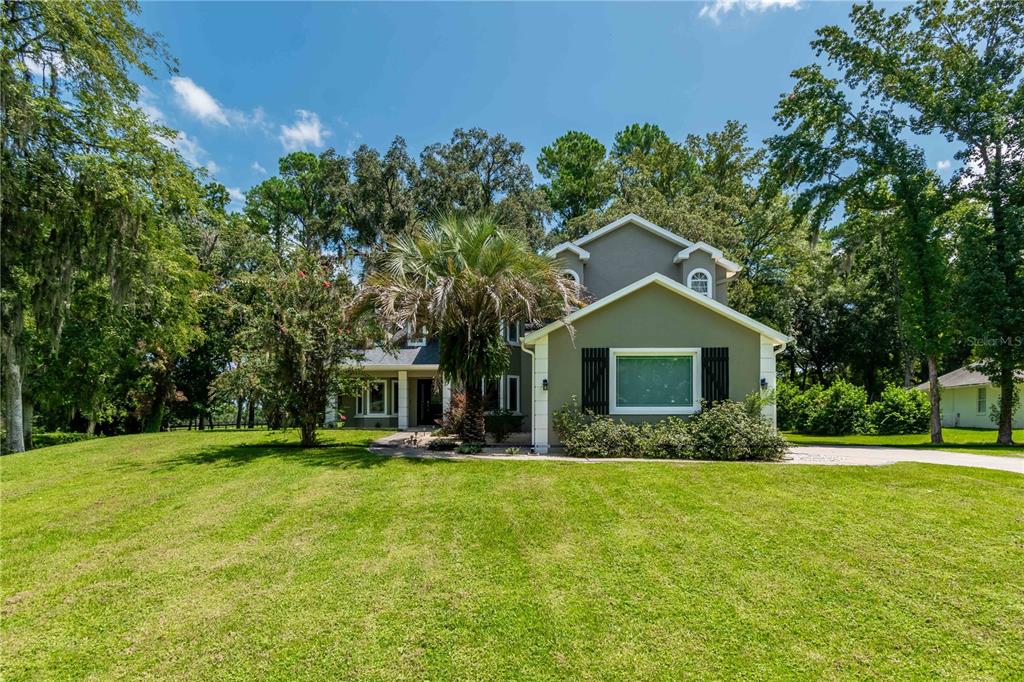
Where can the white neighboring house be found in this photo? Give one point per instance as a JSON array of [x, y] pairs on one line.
[[967, 397]]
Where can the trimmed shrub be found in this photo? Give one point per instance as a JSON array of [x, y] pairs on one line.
[[786, 394], [47, 438], [724, 431], [442, 445], [838, 410], [727, 431], [469, 448], [501, 423], [900, 410]]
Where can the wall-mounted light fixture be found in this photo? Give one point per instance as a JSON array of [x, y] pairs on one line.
[[544, 384], [764, 383]]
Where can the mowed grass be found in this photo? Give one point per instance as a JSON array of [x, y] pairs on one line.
[[235, 555], [977, 441]]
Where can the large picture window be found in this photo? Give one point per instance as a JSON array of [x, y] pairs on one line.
[[655, 381]]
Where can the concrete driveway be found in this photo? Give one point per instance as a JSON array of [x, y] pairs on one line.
[[852, 455]]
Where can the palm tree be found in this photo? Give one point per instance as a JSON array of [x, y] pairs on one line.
[[460, 277]]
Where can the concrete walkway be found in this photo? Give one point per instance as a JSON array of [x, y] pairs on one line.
[[408, 445]]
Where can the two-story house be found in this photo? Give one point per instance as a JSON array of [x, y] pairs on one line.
[[657, 338]]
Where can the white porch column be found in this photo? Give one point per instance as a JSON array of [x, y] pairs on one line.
[[767, 377], [446, 397], [403, 400], [541, 437]]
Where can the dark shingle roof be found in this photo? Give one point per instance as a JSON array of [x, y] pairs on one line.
[[416, 355]]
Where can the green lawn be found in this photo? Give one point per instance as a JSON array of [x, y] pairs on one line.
[[237, 556], [956, 440]]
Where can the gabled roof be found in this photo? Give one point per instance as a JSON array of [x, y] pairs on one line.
[[966, 376], [635, 220], [686, 292], [412, 357], [716, 255], [583, 254]]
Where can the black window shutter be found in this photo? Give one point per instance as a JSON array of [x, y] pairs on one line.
[[714, 374], [595, 380]]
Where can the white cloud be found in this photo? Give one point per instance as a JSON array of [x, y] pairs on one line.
[[198, 102], [192, 152], [945, 164], [194, 99], [258, 168], [237, 196], [715, 9], [307, 131]]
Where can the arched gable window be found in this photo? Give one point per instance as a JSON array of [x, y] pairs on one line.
[[571, 274], [700, 281]]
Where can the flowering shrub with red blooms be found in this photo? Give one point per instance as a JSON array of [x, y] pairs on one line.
[[302, 324]]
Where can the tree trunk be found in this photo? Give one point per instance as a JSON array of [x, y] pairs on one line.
[[252, 413], [473, 422], [308, 432], [935, 426], [27, 412], [238, 412], [15, 427], [1006, 406], [202, 421], [91, 429]]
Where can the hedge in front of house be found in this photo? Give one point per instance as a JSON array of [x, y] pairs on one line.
[[724, 431]]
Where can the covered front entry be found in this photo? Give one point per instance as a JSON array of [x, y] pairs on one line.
[[428, 403]]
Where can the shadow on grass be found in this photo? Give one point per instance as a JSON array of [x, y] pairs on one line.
[[334, 455]]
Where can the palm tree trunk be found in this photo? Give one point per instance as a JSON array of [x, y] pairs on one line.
[[473, 423], [933, 397]]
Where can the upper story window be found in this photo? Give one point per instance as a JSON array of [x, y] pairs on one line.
[[571, 274], [700, 281], [510, 330], [416, 340]]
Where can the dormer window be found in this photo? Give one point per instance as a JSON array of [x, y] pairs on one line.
[[417, 341], [700, 281]]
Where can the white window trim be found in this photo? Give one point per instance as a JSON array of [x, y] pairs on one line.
[[519, 393], [416, 341], [711, 281], [613, 408], [506, 328], [503, 393], [572, 273], [393, 397], [981, 397], [366, 398]]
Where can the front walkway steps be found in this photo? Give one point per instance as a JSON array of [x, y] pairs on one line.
[[404, 444]]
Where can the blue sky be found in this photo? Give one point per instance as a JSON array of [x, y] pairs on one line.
[[256, 80]]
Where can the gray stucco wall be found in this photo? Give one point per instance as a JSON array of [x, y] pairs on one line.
[[625, 255], [653, 317], [629, 253]]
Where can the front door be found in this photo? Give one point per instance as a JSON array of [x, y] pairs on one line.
[[428, 408]]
